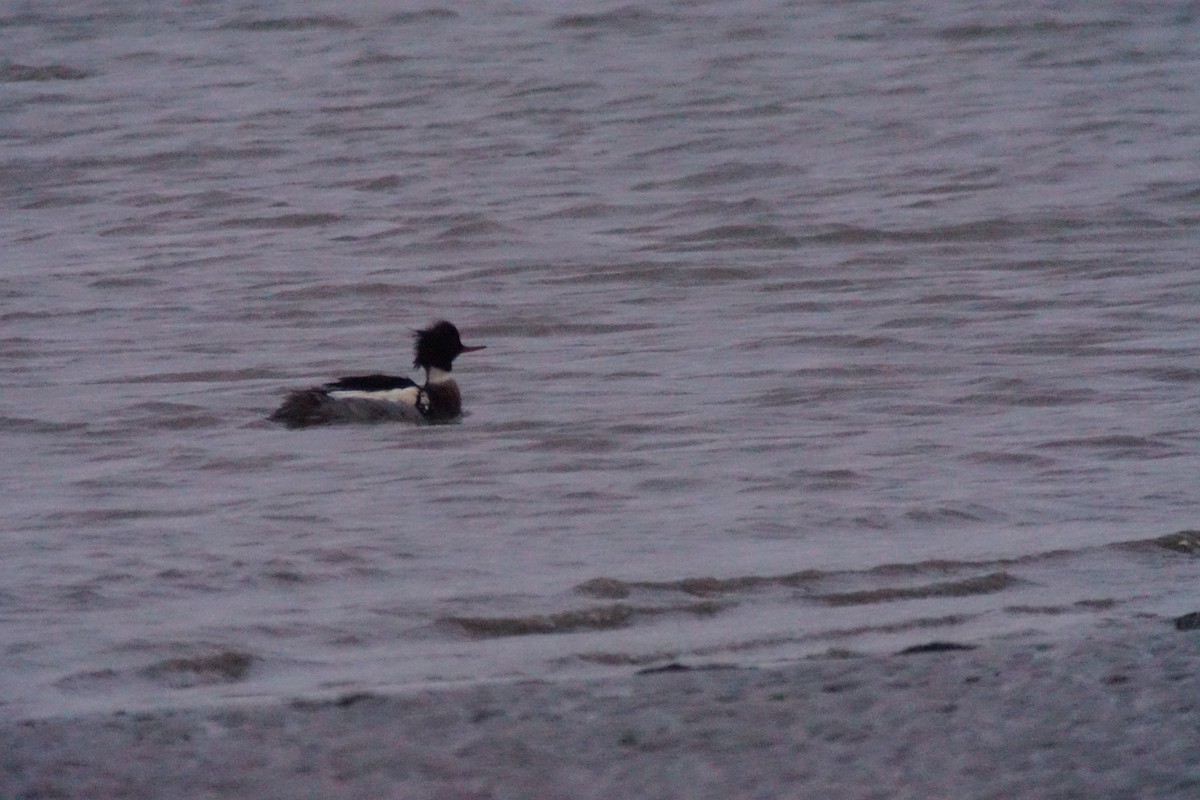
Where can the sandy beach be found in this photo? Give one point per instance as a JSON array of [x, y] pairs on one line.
[[1110, 712]]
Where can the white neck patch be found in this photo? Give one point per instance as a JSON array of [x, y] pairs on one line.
[[438, 375]]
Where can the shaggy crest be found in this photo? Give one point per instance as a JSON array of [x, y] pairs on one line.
[[437, 346]]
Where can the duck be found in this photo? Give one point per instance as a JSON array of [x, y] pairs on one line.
[[382, 398]]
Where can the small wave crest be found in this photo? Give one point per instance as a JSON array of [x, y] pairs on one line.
[[617, 615]]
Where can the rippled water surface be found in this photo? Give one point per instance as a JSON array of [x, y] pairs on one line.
[[810, 325]]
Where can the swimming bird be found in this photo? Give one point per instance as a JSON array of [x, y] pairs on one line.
[[379, 398]]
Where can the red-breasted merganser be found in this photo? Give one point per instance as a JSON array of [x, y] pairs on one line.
[[378, 398]]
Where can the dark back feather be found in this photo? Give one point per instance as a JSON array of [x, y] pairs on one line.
[[370, 383]]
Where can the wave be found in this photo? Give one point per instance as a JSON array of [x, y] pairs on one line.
[[633, 601]]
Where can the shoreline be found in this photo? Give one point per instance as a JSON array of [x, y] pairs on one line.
[[1111, 711]]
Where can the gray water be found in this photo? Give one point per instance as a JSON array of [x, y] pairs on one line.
[[811, 326]]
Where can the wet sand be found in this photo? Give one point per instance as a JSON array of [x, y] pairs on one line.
[[1112, 711]]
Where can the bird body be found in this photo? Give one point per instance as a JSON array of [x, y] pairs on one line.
[[381, 398]]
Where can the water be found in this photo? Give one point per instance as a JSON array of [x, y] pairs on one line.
[[809, 326]]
